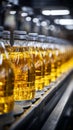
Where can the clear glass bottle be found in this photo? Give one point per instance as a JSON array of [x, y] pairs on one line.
[[6, 40], [46, 59], [38, 62], [24, 84], [6, 80], [53, 58]]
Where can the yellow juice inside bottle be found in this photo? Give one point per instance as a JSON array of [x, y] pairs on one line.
[[24, 85], [64, 63], [6, 84], [38, 63], [59, 61], [47, 66], [53, 60]]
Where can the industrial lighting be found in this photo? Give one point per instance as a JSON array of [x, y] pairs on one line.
[[24, 14], [12, 12], [43, 23], [56, 21], [60, 12], [55, 12], [9, 5], [69, 27], [28, 19], [46, 12], [64, 21], [35, 20]]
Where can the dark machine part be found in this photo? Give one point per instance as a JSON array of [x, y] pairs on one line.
[[62, 116]]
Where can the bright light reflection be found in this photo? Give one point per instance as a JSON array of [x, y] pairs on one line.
[[46, 12], [35, 20], [12, 12], [43, 23], [28, 19], [55, 12], [69, 27], [24, 14], [60, 12], [64, 21]]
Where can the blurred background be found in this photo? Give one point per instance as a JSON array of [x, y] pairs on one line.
[[48, 17]]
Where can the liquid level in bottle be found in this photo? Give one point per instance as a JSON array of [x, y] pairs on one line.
[[24, 86], [6, 86]]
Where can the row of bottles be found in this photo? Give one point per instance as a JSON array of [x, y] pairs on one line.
[[29, 66]]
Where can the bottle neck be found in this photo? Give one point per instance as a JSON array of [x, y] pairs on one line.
[[21, 43]]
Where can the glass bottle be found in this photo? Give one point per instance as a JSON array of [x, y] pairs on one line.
[[6, 40], [24, 84], [38, 62], [53, 58], [46, 59], [6, 80]]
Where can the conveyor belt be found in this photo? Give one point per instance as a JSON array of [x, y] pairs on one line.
[[61, 109]]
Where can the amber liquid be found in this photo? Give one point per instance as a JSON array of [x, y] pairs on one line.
[[53, 60], [24, 86], [6, 85], [47, 66], [64, 63], [59, 61], [38, 63]]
